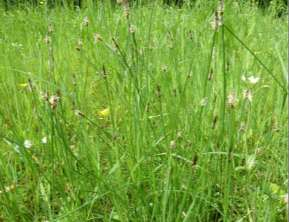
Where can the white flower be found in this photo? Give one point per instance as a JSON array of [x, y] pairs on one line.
[[27, 144], [44, 140], [253, 80]]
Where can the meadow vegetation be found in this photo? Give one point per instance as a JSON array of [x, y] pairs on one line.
[[149, 113]]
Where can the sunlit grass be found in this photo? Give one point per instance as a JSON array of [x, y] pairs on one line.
[[106, 117]]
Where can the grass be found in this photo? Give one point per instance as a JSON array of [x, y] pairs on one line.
[[145, 120]]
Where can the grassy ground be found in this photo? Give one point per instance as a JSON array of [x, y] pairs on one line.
[[155, 117]]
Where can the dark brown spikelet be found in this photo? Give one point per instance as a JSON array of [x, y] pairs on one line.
[[210, 77], [214, 122], [104, 72], [194, 161], [30, 84], [158, 91], [115, 43]]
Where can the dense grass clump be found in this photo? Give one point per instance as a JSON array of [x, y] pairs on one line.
[[143, 114]]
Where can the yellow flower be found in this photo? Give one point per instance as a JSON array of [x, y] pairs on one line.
[[23, 85], [8, 189], [279, 193], [275, 189], [104, 113]]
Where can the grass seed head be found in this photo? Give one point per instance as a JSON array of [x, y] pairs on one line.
[[47, 39], [242, 127], [179, 135], [79, 45], [126, 11], [250, 162], [173, 144], [232, 100], [85, 21], [204, 102], [132, 29], [50, 29], [164, 68], [247, 95], [53, 101], [221, 8], [78, 113], [125, 5], [97, 38], [44, 96], [218, 16], [216, 23]]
